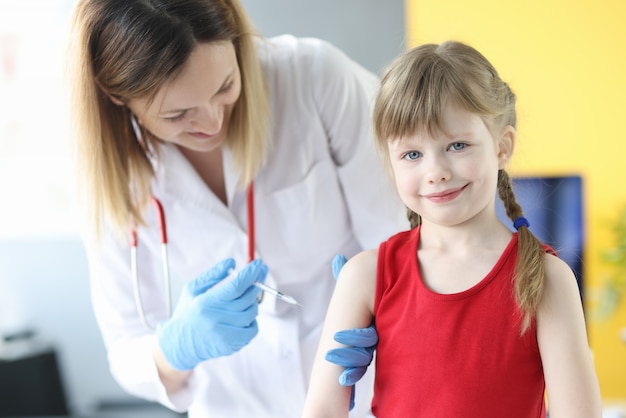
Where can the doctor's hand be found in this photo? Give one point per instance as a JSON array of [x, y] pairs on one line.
[[361, 341], [212, 321]]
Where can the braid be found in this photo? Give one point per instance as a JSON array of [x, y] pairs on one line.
[[529, 269], [414, 219], [505, 191]]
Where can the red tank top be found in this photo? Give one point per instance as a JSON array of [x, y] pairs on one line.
[[454, 355]]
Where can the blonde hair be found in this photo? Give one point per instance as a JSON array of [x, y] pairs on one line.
[[127, 49], [414, 90]]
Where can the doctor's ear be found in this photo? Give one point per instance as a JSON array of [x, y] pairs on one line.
[[506, 145], [116, 101]]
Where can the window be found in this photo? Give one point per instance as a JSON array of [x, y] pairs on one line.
[[35, 174]]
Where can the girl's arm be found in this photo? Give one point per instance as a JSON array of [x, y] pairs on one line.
[[350, 307], [571, 381]]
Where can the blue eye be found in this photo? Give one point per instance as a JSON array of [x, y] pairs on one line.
[[458, 146], [412, 155]]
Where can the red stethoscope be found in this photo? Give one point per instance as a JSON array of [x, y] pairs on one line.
[[164, 256], [165, 259]]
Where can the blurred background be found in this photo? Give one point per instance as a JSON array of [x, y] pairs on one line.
[[51, 353], [564, 59]]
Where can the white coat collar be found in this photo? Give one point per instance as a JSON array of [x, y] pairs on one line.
[[176, 177]]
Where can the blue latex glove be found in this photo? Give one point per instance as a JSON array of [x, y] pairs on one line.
[[212, 321], [361, 341]]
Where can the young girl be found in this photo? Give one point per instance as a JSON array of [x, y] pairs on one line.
[[473, 320]]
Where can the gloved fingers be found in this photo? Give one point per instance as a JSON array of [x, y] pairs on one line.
[[249, 296], [350, 356], [351, 375], [253, 271], [214, 301], [239, 337], [225, 341], [225, 316], [358, 337], [338, 263], [351, 399], [211, 277]]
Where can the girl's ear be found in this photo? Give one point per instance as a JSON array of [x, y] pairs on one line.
[[506, 145]]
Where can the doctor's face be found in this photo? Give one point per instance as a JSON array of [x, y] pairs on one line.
[[193, 109]]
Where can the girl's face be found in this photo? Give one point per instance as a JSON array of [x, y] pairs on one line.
[[451, 177], [193, 109]]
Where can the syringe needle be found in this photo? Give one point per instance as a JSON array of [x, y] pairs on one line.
[[278, 294]]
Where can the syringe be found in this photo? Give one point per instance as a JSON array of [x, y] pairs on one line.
[[278, 294]]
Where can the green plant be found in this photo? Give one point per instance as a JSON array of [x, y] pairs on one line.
[[614, 287]]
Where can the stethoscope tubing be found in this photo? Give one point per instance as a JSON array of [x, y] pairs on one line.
[[163, 232], [164, 262], [165, 258]]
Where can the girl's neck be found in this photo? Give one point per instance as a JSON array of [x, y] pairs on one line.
[[476, 233]]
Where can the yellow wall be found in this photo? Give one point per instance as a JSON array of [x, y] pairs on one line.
[[566, 61]]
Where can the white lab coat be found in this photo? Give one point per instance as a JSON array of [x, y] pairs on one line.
[[323, 191]]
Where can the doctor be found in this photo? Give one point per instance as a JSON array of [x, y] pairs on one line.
[[179, 101]]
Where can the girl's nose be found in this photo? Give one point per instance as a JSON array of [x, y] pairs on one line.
[[437, 170]]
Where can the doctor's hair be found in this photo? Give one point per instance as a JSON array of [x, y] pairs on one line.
[[128, 49], [414, 91]]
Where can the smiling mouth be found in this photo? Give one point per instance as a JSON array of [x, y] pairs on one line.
[[445, 196]]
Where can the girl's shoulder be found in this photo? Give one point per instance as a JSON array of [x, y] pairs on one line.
[[560, 290], [556, 269], [362, 265], [365, 259], [358, 276]]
